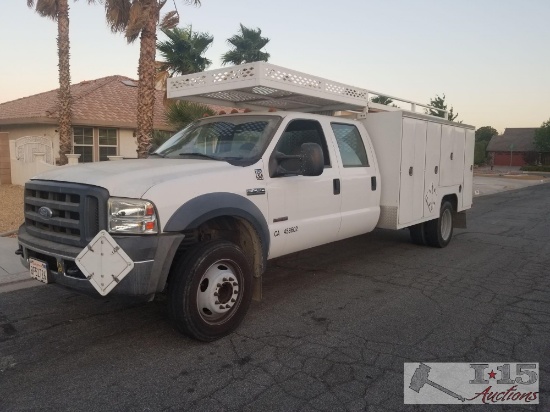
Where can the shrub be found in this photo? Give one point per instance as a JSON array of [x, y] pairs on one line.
[[480, 152], [535, 168], [531, 158]]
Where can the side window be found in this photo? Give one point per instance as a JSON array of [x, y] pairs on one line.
[[350, 145], [299, 132]]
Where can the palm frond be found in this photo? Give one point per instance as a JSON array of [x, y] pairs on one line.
[[182, 52], [170, 20], [47, 8], [246, 46], [117, 13], [136, 22], [161, 76], [181, 113]]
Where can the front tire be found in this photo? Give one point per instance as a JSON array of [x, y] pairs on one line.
[[439, 231], [210, 290]]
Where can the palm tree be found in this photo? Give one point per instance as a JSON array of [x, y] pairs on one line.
[[183, 51], [139, 18], [58, 10], [246, 47], [180, 113], [182, 54]]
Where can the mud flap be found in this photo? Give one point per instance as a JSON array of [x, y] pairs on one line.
[[459, 220], [257, 288]]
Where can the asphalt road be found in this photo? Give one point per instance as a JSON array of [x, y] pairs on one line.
[[332, 333]]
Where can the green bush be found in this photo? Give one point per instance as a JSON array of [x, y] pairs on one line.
[[535, 168], [480, 154]]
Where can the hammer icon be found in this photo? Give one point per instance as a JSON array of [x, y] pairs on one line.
[[420, 378]]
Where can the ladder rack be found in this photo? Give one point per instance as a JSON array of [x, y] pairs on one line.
[[260, 85]]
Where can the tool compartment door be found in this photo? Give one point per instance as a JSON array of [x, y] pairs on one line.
[[413, 158], [452, 155], [468, 170], [432, 173]]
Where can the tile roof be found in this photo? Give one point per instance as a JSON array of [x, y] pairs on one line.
[[521, 137], [109, 101]]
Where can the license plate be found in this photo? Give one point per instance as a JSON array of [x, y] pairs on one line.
[[39, 270]]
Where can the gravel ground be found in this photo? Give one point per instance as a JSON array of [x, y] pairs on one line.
[[11, 207]]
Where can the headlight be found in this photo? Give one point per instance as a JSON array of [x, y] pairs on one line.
[[132, 216]]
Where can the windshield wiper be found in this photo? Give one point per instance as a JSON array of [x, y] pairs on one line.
[[200, 155], [157, 154]]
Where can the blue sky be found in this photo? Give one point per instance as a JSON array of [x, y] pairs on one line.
[[491, 58]]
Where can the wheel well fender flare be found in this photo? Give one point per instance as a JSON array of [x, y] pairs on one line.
[[202, 208]]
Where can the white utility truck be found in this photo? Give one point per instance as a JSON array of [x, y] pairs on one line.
[[202, 215]]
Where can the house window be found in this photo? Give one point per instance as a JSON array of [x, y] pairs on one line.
[[83, 143], [94, 144], [108, 143]]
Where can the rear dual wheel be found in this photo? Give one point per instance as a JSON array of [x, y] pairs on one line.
[[210, 290], [437, 232]]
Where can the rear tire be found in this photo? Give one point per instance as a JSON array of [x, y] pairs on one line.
[[439, 231], [417, 232], [210, 290]]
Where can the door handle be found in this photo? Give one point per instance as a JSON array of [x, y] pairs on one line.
[[410, 171], [373, 183], [336, 186]]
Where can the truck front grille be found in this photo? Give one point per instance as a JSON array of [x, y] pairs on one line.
[[66, 213]]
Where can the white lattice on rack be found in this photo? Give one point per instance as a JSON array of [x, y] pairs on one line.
[[259, 84], [181, 83], [266, 91], [235, 74], [231, 96], [346, 91], [293, 78]]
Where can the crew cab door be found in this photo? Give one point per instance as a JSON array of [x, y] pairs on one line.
[[360, 181], [304, 211]]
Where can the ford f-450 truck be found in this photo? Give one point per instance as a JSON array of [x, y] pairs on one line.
[[202, 215]]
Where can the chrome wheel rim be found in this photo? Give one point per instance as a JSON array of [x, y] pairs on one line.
[[446, 224], [219, 290]]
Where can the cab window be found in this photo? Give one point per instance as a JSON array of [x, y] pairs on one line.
[[350, 145], [299, 132]]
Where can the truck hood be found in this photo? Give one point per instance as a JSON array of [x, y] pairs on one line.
[[132, 178]]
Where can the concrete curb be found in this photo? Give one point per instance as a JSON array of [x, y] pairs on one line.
[[9, 233]]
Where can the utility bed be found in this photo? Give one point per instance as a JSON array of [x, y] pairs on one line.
[[421, 160]]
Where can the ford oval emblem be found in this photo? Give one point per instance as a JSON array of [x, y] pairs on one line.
[[45, 212]]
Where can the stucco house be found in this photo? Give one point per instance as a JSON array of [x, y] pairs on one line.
[[104, 118]]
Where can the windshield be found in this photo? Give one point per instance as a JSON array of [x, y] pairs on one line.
[[235, 139]]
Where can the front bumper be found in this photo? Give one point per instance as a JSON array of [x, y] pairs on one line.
[[152, 257]]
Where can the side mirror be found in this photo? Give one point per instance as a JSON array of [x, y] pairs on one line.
[[310, 162], [313, 160]]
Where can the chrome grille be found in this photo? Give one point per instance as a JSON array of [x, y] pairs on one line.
[[72, 214]]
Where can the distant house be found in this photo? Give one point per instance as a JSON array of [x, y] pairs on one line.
[[510, 147], [104, 118]]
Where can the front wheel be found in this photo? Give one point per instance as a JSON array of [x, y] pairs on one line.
[[439, 231], [210, 290]]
